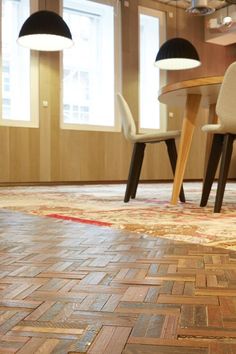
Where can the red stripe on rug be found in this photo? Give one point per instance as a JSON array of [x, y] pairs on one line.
[[84, 221]]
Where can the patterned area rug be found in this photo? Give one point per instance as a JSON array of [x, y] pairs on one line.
[[150, 213]]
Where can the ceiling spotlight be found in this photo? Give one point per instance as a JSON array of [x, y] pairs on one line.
[[200, 8], [227, 21]]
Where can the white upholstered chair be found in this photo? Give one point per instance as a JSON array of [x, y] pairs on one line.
[[224, 134], [139, 142]]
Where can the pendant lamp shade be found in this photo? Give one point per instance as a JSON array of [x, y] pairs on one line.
[[46, 31], [177, 54]]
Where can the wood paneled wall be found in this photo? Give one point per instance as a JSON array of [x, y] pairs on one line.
[[49, 154]]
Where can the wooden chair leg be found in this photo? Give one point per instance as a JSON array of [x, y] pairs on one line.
[[141, 150], [134, 170], [213, 161], [172, 153], [224, 169]]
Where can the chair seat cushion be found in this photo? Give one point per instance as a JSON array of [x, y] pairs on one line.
[[217, 129], [155, 137]]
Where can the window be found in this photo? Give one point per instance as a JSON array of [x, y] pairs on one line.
[[89, 80], [19, 69], [151, 34]]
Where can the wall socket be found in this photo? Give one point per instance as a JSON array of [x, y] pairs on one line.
[[45, 103]]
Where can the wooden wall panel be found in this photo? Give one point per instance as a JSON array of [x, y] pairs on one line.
[[45, 119], [4, 154], [49, 154]]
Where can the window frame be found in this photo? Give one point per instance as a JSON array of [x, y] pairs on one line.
[[34, 85], [161, 15], [117, 76]]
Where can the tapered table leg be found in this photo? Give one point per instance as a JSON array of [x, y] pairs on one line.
[[188, 126]]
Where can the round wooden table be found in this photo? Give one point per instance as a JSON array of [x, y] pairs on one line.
[[190, 94]]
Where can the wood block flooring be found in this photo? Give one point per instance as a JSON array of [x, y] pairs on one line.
[[72, 288]]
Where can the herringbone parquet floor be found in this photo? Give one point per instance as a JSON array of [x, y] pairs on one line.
[[72, 288]]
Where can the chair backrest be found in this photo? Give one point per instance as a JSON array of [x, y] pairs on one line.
[[127, 120], [226, 102]]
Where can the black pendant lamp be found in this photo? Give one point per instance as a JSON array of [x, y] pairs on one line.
[[45, 31], [177, 54]]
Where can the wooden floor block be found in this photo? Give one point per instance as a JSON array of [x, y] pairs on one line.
[[110, 340]]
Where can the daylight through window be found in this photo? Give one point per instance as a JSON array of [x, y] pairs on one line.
[[15, 63], [89, 67], [151, 34]]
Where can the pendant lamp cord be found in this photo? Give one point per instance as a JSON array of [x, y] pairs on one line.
[[42, 4], [227, 14], [176, 19]]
